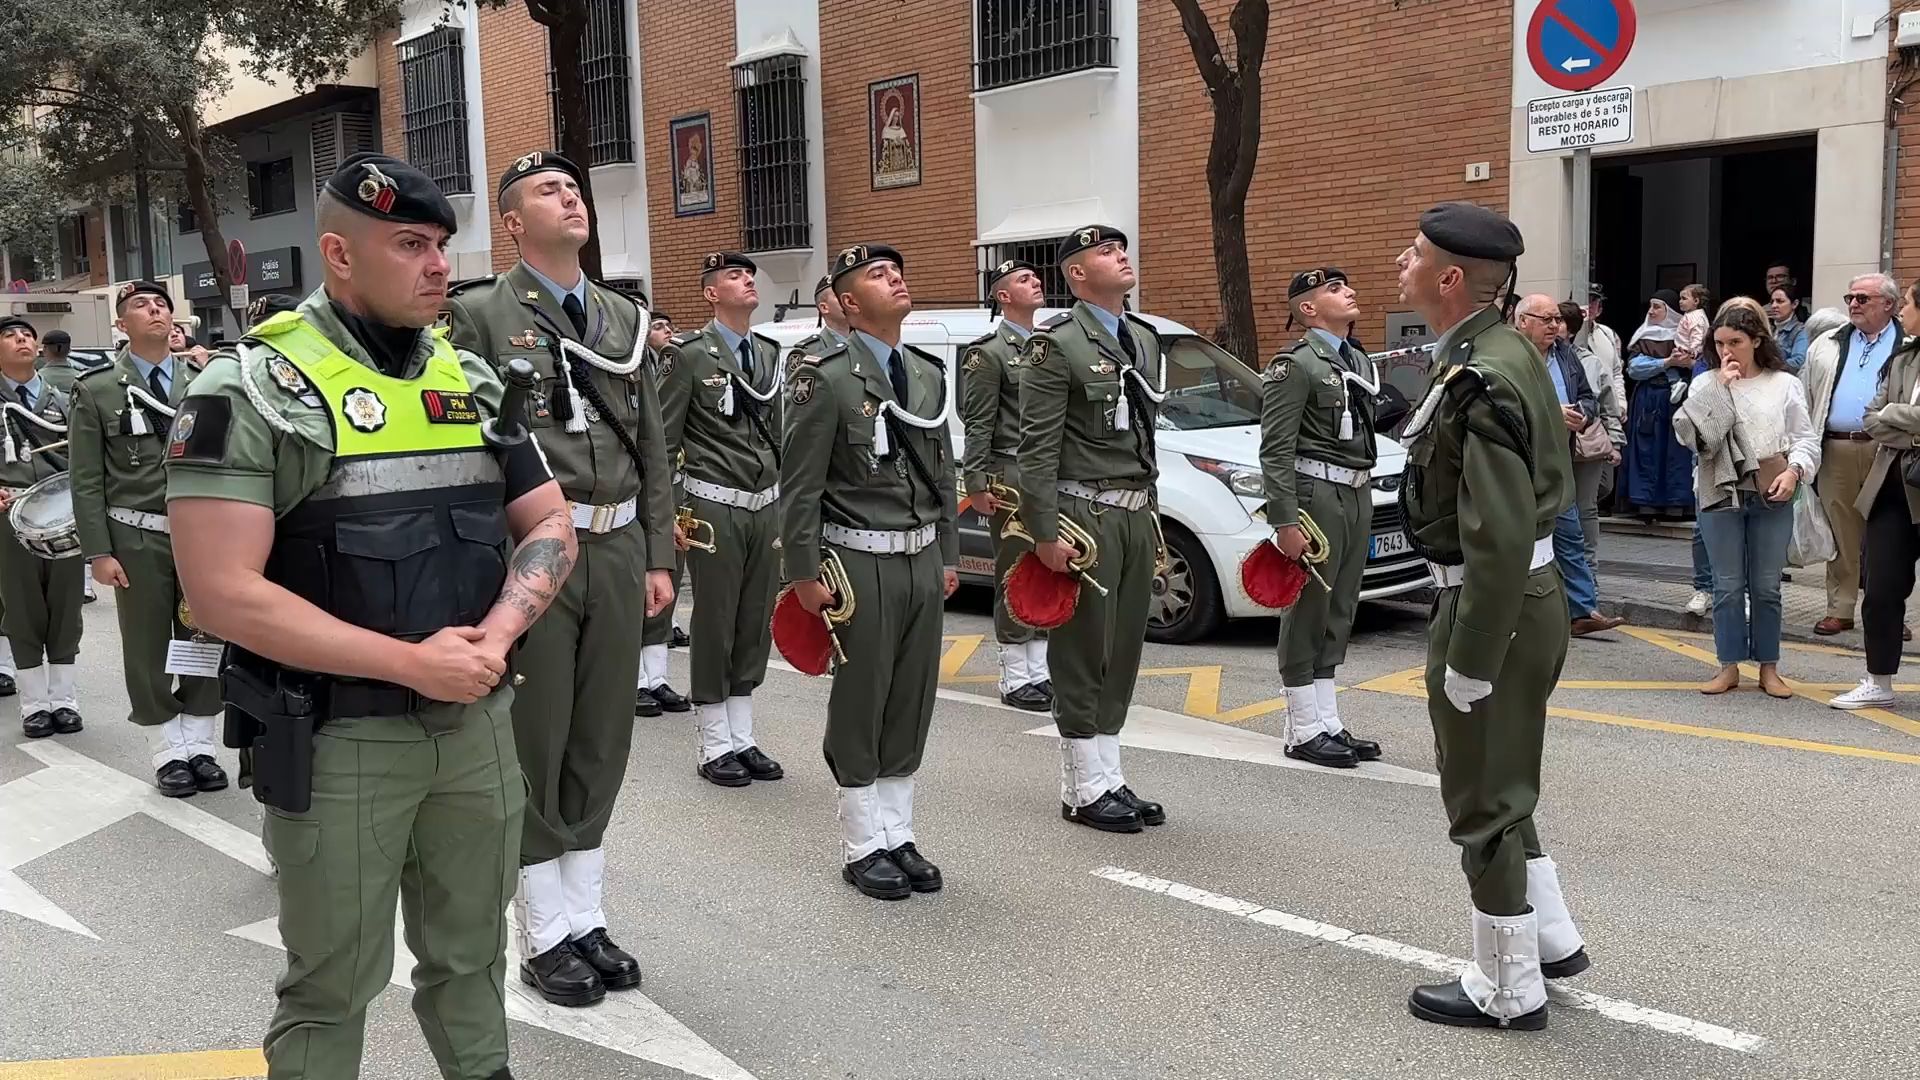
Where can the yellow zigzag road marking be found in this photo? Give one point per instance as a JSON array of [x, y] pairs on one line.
[[205, 1065], [1203, 682]]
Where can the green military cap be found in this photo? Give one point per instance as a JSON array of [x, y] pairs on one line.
[[1472, 232], [531, 164], [1308, 280], [134, 288], [15, 322], [1089, 236], [715, 261], [391, 190], [1010, 266], [860, 255]]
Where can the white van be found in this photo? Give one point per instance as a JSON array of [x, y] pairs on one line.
[[1211, 493]]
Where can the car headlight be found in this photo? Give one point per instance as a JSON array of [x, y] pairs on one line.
[[1243, 480]]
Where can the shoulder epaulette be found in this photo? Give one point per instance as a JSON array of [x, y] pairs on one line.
[[94, 372], [1056, 322], [468, 284], [765, 340], [684, 337], [927, 356], [984, 338], [815, 360]]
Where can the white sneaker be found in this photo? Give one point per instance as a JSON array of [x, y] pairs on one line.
[[1868, 695], [1700, 603]]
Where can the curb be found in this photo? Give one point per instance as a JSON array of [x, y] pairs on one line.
[[1661, 617]]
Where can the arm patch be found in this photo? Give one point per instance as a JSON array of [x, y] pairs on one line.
[[200, 431]]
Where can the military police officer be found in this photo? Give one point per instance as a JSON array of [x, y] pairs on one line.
[[990, 386], [121, 412], [719, 395], [1488, 471], [1093, 379], [866, 480], [342, 506], [597, 417], [1317, 454]]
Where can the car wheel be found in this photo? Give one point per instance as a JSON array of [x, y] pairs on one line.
[[1185, 604]]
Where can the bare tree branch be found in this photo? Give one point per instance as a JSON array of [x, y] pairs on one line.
[[1206, 47]]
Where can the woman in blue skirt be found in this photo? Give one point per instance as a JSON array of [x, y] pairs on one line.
[[1656, 472]]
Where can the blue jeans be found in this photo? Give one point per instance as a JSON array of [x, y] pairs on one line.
[[1748, 545], [1702, 567], [1570, 551]]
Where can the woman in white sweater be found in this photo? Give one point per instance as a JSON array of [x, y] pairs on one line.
[[1746, 417]]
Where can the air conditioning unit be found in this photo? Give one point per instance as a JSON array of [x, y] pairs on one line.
[[1908, 35]]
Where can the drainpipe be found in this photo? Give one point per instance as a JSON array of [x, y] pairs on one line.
[[1889, 182]]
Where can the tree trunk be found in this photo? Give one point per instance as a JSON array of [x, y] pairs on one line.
[[566, 43], [1238, 333], [193, 147], [142, 200]]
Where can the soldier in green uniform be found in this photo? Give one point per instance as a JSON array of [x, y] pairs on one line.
[[990, 398], [42, 596], [347, 519], [1317, 454], [1488, 471], [661, 631], [596, 415], [719, 394], [867, 476], [1088, 398], [56, 361], [118, 442]]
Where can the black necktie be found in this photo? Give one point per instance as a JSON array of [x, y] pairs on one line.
[[746, 359], [26, 397], [577, 312], [897, 375], [1126, 342], [154, 383]]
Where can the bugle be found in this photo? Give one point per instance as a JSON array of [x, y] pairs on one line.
[[833, 574], [690, 528], [1088, 549], [1317, 549]]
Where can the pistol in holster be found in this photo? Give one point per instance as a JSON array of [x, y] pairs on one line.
[[274, 713]]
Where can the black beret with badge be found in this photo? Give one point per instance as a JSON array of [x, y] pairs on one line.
[[134, 288], [15, 322], [1010, 266], [1085, 237], [540, 161], [391, 190], [715, 261], [824, 284], [1472, 232], [1308, 280], [860, 255]]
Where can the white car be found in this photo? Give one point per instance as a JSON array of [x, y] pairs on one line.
[[1211, 492]]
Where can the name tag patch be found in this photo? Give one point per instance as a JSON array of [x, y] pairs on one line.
[[447, 407]]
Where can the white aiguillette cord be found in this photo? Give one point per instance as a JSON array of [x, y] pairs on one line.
[[577, 411], [1123, 409], [12, 408], [137, 396], [883, 443], [772, 391], [1354, 378]]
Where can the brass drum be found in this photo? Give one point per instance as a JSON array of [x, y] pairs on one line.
[[42, 519]]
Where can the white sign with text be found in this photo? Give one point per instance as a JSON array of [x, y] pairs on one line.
[[1580, 121]]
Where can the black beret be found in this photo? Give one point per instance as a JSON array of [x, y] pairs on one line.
[[1089, 236], [860, 255], [537, 162], [1472, 232], [1595, 292], [134, 288], [58, 338], [15, 322], [823, 285], [1308, 280], [715, 261], [391, 190], [656, 315], [1011, 266], [266, 306]]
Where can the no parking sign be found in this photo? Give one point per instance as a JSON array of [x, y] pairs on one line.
[[1579, 44]]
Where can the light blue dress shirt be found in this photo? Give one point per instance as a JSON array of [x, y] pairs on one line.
[[1854, 384], [559, 291], [145, 367], [34, 390]]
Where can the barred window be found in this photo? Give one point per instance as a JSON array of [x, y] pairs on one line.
[[604, 70], [433, 107], [270, 187], [1024, 40], [189, 222], [770, 101], [1040, 254]]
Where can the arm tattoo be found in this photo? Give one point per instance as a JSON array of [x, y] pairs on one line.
[[539, 568]]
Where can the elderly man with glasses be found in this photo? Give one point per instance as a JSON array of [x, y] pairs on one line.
[[1842, 370]]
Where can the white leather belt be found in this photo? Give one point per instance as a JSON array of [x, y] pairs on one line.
[[1450, 577], [880, 541], [1332, 474], [1120, 497], [139, 519], [14, 492], [604, 519], [726, 496], [677, 479]]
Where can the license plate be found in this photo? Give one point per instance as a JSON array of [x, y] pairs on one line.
[[1389, 544]]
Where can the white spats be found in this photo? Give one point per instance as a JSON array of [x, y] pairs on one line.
[[1504, 978], [31, 684], [1013, 668], [60, 687], [716, 736], [895, 803], [739, 722], [6, 656], [581, 877], [1083, 776], [1559, 938], [1037, 668], [540, 908], [202, 735], [168, 741], [1326, 703], [653, 666], [1303, 715], [1108, 747], [861, 833]]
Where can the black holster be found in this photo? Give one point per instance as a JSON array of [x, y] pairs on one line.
[[274, 713]]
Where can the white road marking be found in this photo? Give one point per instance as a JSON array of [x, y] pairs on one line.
[[1625, 1012]]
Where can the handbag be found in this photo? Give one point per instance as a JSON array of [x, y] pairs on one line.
[[1591, 443], [1767, 470]]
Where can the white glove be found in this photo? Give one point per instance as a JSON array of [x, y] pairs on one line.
[[1463, 692]]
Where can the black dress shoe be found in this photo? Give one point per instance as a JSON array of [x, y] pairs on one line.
[[1106, 813], [617, 969], [207, 773], [758, 764], [1151, 813], [644, 703], [1029, 697], [670, 699], [7, 687], [89, 597], [922, 875], [39, 725], [67, 721], [878, 876], [680, 639], [1567, 968], [1448, 1003], [562, 977], [175, 780], [1364, 749], [726, 771], [1324, 749]]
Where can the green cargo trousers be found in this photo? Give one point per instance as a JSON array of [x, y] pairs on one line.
[[881, 705], [736, 583], [658, 629], [1314, 631], [573, 717], [433, 822], [1489, 759], [148, 612], [42, 599], [1095, 657]]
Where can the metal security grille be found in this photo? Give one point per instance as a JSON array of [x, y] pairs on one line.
[[1024, 40], [770, 99], [604, 69], [1037, 252], [433, 107]]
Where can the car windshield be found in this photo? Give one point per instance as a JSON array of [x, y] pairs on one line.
[[1206, 387]]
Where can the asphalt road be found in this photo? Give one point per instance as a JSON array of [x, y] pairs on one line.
[[1742, 869]]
